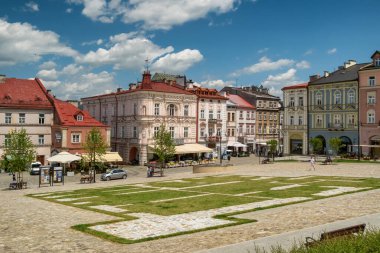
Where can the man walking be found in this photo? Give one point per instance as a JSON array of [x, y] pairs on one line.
[[312, 163]]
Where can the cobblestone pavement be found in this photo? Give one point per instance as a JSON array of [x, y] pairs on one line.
[[32, 225]]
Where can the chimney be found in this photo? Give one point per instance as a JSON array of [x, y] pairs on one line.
[[48, 92], [313, 78], [119, 89], [132, 86], [326, 73], [146, 79], [2, 78], [223, 93], [349, 63]]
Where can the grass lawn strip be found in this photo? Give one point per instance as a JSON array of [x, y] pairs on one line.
[[188, 197], [340, 190], [149, 225], [73, 199], [128, 193]]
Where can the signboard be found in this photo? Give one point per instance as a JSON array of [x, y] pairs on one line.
[[44, 175], [58, 175]]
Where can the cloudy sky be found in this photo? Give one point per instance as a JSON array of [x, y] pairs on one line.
[[81, 48]]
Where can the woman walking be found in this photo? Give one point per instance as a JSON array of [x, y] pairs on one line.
[[312, 163]]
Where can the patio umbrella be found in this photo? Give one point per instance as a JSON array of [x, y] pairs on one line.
[[64, 157]]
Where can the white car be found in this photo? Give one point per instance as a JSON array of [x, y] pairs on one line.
[[35, 168]]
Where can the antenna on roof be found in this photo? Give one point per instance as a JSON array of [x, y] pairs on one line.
[[146, 65]]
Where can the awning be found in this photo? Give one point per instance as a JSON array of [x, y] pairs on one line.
[[193, 148], [236, 144], [109, 157]]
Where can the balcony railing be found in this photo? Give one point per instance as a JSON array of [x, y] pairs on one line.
[[295, 127]]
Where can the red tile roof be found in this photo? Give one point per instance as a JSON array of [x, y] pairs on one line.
[[239, 101], [23, 93], [67, 113], [296, 86], [206, 93]]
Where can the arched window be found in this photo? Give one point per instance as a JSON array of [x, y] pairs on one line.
[[171, 110], [144, 110], [351, 97], [318, 98], [135, 109], [337, 97], [371, 116]]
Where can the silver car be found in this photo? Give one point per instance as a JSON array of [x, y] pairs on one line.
[[114, 174]]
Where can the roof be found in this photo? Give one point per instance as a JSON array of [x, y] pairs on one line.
[[295, 86], [23, 93], [206, 93], [67, 114], [149, 85], [341, 75], [163, 76], [239, 101], [375, 53]]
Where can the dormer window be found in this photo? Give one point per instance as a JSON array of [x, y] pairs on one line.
[[377, 62], [79, 117]]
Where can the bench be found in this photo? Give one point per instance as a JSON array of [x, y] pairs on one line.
[[20, 185], [327, 161], [86, 179], [265, 161], [352, 230]]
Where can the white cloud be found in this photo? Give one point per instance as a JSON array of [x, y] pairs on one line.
[[282, 78], [332, 51], [48, 65], [31, 6], [69, 10], [48, 75], [308, 52], [71, 69], [264, 64], [217, 84], [303, 65], [93, 42], [177, 62], [21, 42], [153, 14], [263, 50]]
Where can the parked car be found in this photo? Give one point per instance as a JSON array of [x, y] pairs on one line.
[[114, 174], [35, 168]]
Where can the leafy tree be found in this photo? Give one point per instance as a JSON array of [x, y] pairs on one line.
[[164, 146], [19, 153], [316, 144], [335, 144], [272, 144], [95, 147]]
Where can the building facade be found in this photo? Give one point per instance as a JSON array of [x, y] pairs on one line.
[[241, 122], [369, 107], [333, 106], [294, 127], [24, 105], [135, 115]]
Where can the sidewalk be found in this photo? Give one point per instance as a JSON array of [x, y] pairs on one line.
[[287, 240]]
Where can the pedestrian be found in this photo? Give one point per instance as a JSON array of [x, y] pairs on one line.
[[229, 158], [312, 163], [13, 177]]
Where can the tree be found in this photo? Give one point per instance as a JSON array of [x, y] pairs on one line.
[[19, 153], [272, 147], [164, 146], [95, 147], [316, 144], [335, 144]]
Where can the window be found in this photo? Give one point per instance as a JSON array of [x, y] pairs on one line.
[[202, 132], [41, 140], [351, 97], [291, 102], [260, 129], [8, 118], [171, 130], [210, 131], [337, 97], [300, 101], [337, 119], [241, 115], [371, 81], [210, 114], [202, 114], [228, 132], [156, 129], [7, 140], [319, 120], [233, 132], [270, 116], [371, 99], [351, 119], [186, 110], [260, 116], [252, 115], [265, 116], [41, 119], [185, 132], [232, 116], [247, 115], [21, 118], [75, 138], [260, 103], [291, 122], [218, 132], [229, 116], [122, 131], [300, 120], [156, 109], [134, 132], [79, 117], [171, 110], [134, 109], [241, 129], [218, 114], [377, 62], [371, 117], [318, 98]]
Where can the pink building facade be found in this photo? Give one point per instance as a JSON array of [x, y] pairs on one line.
[[369, 107]]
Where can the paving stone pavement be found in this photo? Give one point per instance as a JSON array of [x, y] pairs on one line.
[[32, 225]]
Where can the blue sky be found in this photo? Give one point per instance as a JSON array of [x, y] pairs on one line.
[[81, 48]]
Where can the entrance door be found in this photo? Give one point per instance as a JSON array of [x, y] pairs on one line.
[[41, 159], [296, 146]]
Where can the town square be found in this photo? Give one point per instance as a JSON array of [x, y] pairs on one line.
[[189, 126]]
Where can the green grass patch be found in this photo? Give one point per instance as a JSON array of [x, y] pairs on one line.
[[354, 161]]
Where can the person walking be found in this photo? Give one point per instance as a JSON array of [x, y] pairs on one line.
[[312, 163]]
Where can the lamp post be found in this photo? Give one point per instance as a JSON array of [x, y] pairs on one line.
[[220, 147]]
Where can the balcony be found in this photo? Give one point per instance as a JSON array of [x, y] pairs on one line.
[[214, 121], [335, 126], [295, 127]]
